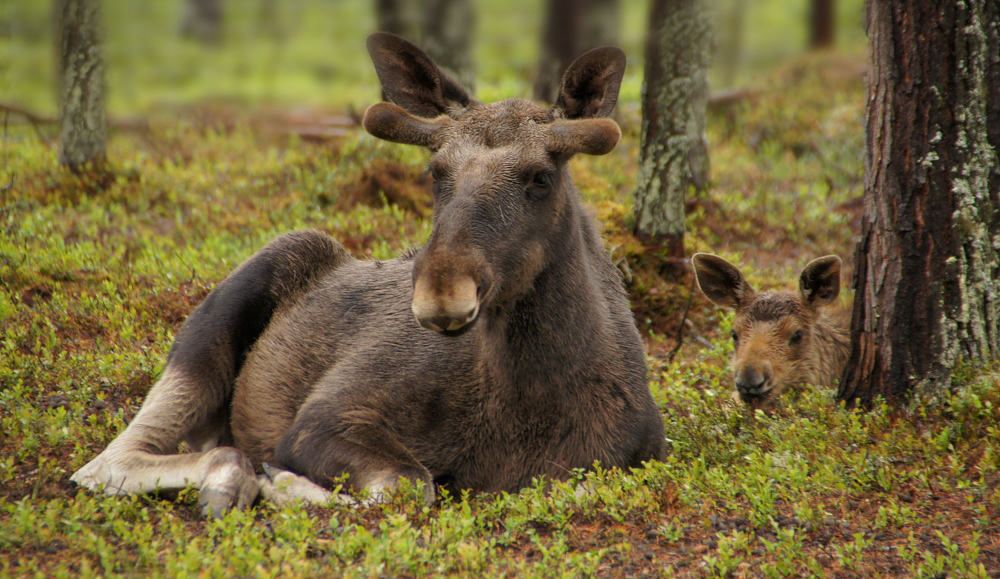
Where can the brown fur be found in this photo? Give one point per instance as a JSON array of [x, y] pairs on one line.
[[312, 361], [783, 339]]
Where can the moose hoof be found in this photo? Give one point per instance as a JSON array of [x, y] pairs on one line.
[[282, 487], [98, 476], [229, 483], [382, 488]]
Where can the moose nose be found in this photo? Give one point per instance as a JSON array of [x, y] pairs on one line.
[[447, 308], [752, 381]]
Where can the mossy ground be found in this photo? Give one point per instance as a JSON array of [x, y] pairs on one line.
[[97, 275]]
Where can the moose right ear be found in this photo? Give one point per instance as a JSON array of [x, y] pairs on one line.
[[721, 281], [819, 281], [411, 79], [590, 85]]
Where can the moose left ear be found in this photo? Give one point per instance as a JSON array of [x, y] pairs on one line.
[[820, 280], [590, 85]]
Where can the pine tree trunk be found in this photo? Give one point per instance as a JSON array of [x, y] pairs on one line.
[[927, 267], [571, 28], [82, 126], [822, 24], [673, 159], [991, 21]]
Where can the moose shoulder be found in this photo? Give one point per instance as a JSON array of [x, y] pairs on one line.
[[502, 350], [783, 339]]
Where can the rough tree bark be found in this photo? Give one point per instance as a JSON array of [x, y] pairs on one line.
[[927, 274], [673, 158], [82, 123], [571, 28], [822, 24]]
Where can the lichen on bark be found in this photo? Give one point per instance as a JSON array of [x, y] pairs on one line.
[[927, 273], [673, 158]]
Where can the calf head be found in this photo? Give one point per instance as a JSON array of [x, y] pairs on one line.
[[773, 330], [503, 200]]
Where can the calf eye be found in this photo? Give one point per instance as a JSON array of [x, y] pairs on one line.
[[796, 337], [736, 338]]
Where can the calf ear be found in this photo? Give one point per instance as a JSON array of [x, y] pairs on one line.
[[590, 85], [720, 281], [820, 281], [411, 79]]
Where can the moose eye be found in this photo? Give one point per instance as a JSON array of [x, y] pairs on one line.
[[796, 337], [540, 186], [736, 338]]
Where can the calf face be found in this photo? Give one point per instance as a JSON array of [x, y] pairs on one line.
[[501, 185], [780, 337]]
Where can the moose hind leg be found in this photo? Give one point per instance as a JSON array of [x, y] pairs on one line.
[[323, 445], [191, 400]]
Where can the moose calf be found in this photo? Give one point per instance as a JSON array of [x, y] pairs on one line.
[[783, 339], [501, 351]]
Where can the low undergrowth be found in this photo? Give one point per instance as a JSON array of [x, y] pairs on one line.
[[96, 278]]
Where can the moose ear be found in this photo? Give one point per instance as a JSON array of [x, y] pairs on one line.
[[411, 79], [720, 281], [820, 281], [590, 85]]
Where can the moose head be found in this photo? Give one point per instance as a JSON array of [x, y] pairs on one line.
[[502, 190]]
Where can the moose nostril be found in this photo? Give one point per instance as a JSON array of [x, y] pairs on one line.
[[752, 382]]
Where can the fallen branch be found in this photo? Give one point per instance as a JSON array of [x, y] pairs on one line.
[[727, 97], [34, 118], [680, 327]]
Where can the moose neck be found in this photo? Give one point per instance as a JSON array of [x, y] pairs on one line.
[[553, 332]]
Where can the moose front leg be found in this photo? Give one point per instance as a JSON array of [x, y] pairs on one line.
[[142, 460], [323, 444]]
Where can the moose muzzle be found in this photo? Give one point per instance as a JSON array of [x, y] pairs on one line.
[[754, 381], [445, 307]]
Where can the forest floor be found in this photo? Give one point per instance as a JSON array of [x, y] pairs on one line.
[[96, 276]]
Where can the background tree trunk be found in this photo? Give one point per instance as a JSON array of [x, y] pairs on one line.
[[926, 273], [822, 24], [82, 124], [397, 17], [443, 28], [448, 27], [571, 28], [729, 42], [202, 20], [673, 158]]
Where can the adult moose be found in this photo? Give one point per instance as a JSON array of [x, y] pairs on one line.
[[527, 363]]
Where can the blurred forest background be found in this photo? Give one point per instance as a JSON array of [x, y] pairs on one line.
[[312, 52]]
